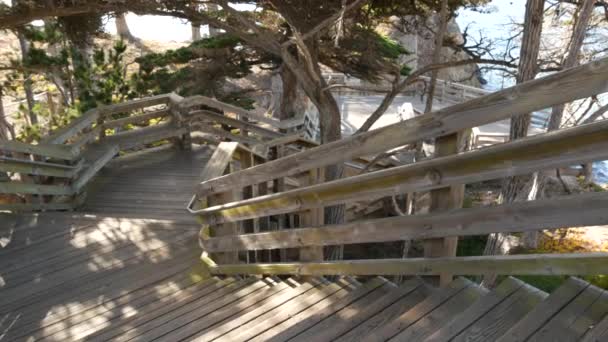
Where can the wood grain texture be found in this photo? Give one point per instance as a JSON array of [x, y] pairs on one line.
[[533, 264], [571, 84], [523, 156]]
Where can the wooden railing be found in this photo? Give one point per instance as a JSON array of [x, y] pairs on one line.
[[298, 249], [53, 174]]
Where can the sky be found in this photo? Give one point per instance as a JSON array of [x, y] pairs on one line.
[[172, 29]]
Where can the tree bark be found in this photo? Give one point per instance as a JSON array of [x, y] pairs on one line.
[[439, 35], [196, 31], [122, 28], [289, 94], [527, 70], [4, 125], [576, 42], [27, 83]]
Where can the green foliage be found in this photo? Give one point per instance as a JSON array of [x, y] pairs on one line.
[[389, 48], [405, 70]]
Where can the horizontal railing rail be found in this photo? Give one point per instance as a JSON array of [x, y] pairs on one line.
[[271, 251]]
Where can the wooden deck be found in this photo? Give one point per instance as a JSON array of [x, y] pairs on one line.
[[153, 184]]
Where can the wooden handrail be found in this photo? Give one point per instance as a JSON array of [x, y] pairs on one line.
[[534, 264], [572, 84], [42, 149], [511, 218], [551, 150]]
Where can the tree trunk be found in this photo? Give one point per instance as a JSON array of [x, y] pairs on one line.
[[439, 35], [5, 128], [289, 94], [122, 29], [576, 42], [528, 68], [27, 84]]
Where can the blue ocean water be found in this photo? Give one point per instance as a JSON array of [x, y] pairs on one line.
[[600, 172]]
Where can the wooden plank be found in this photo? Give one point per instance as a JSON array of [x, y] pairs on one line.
[[34, 189], [134, 104], [538, 317], [309, 319], [535, 264], [282, 313], [434, 320], [42, 149], [554, 213], [218, 318], [412, 315], [106, 154], [597, 333], [574, 320], [356, 312], [66, 133], [135, 119], [37, 168], [476, 311], [314, 217], [199, 100], [187, 314], [500, 319], [205, 128], [140, 137], [269, 304], [442, 200], [523, 156], [571, 84], [135, 325], [211, 117], [390, 309]]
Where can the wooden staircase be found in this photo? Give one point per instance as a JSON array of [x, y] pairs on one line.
[[270, 309]]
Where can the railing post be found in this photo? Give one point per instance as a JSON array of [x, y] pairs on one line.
[[312, 218], [185, 141], [442, 200], [224, 229]]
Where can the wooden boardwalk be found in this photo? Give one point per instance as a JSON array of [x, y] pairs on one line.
[[127, 268]]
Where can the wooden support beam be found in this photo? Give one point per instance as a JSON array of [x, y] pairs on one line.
[[511, 218], [311, 218], [548, 151], [535, 264], [68, 132], [572, 84], [442, 200]]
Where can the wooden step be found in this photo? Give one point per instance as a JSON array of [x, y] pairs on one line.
[[411, 316], [545, 311], [490, 317], [378, 313]]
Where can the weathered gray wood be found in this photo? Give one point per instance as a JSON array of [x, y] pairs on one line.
[[434, 320], [284, 297], [571, 84], [476, 311], [128, 106], [38, 168], [17, 207], [199, 100], [68, 132], [412, 315], [42, 149], [211, 117], [140, 137], [574, 320], [523, 156], [517, 217], [538, 317], [100, 160], [135, 119], [206, 128], [597, 333], [308, 319], [534, 264], [502, 317], [387, 309], [33, 189]]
